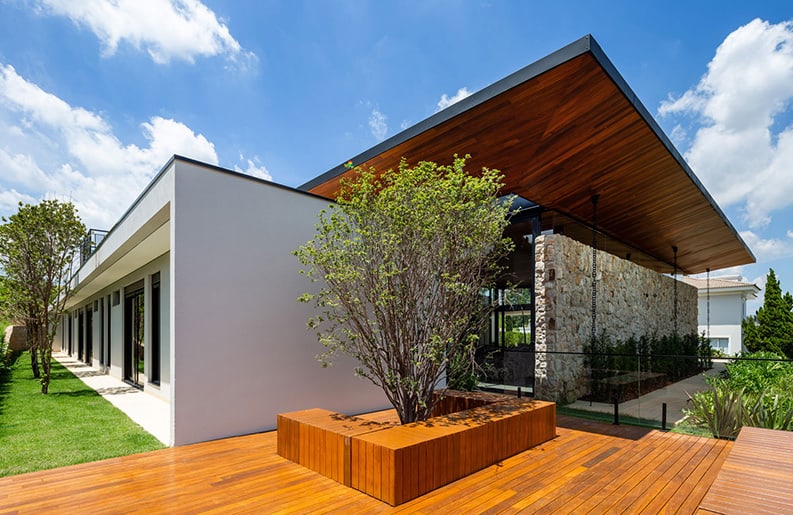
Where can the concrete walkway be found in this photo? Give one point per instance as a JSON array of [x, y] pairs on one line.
[[649, 406], [151, 413]]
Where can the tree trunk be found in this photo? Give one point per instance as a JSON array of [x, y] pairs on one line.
[[34, 362], [31, 333], [46, 362]]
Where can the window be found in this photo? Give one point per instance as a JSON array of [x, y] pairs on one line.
[[155, 329], [720, 344]]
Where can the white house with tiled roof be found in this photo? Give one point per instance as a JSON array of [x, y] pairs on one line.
[[722, 307]]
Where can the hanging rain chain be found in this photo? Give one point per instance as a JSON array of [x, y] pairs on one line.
[[594, 264], [707, 289], [674, 249]]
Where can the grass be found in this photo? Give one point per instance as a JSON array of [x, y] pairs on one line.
[[607, 417], [72, 424], [683, 427]]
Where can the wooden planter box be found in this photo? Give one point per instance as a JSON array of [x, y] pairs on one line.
[[397, 463]]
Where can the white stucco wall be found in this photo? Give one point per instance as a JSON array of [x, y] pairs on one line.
[[241, 352], [726, 313], [724, 309]]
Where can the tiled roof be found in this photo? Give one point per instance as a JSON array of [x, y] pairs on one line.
[[716, 283]]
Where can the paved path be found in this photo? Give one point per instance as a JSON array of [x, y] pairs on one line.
[[151, 413], [650, 406]]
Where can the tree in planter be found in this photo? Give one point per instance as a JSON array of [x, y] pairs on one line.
[[771, 328], [401, 260], [37, 245]]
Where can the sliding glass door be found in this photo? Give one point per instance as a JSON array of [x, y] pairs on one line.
[[134, 365]]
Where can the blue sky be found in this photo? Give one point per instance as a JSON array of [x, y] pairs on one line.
[[96, 95]]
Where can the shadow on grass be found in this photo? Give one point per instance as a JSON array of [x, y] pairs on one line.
[[5, 376], [75, 393]]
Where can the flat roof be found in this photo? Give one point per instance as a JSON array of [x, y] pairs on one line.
[[562, 130]]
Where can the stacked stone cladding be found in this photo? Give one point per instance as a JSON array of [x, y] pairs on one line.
[[631, 301]]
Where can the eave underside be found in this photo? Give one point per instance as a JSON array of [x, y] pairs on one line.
[[567, 134]]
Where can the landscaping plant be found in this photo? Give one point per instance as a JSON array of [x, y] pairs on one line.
[[755, 390], [37, 245], [399, 262]]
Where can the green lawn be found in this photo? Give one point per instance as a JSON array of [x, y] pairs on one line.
[[72, 424]]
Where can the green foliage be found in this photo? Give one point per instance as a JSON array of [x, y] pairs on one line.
[[771, 328], [399, 263], [656, 360], [721, 410], [73, 424], [675, 356], [761, 371], [37, 245], [755, 390]]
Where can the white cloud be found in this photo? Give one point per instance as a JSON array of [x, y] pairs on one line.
[[254, 167], [166, 29], [378, 125], [446, 101], [769, 249], [68, 152], [737, 151]]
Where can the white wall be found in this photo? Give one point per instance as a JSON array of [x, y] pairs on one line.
[[241, 352], [726, 313], [724, 309]]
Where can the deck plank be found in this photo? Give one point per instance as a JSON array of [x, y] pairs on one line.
[[757, 475], [245, 474]]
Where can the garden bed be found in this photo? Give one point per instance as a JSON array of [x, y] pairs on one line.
[[626, 386], [397, 463]]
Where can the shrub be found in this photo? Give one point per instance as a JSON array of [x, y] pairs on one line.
[[721, 410], [761, 371]]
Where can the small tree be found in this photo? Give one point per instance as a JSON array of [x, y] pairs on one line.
[[771, 328], [37, 245], [402, 259]]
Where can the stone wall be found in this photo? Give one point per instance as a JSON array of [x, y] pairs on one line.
[[16, 337], [631, 301]]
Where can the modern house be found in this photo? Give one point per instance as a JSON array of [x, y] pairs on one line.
[[722, 308], [191, 295]]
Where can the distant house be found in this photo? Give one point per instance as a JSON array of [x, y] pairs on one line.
[[722, 308], [191, 295]]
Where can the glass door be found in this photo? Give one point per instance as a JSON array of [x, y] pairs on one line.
[[134, 365]]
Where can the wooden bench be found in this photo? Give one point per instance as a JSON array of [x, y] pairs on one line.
[[757, 476], [397, 463], [320, 440]]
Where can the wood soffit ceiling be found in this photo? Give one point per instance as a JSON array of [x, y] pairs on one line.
[[562, 130]]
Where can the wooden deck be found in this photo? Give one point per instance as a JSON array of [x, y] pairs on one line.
[[757, 476], [589, 467]]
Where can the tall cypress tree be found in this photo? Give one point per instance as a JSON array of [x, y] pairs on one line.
[[771, 329]]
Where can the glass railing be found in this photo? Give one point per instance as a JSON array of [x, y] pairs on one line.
[[90, 243], [654, 389]]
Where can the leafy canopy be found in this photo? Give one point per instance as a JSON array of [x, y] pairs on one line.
[[37, 245], [399, 262]]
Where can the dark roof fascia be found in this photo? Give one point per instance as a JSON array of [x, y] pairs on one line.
[[176, 157], [536, 68], [622, 85]]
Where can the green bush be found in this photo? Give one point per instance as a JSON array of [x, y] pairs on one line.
[[721, 410], [725, 409], [760, 371], [755, 390]]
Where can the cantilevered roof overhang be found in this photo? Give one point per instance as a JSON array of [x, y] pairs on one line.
[[562, 130]]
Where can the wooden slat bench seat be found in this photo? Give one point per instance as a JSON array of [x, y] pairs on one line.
[[319, 440], [757, 476], [398, 463], [404, 462]]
